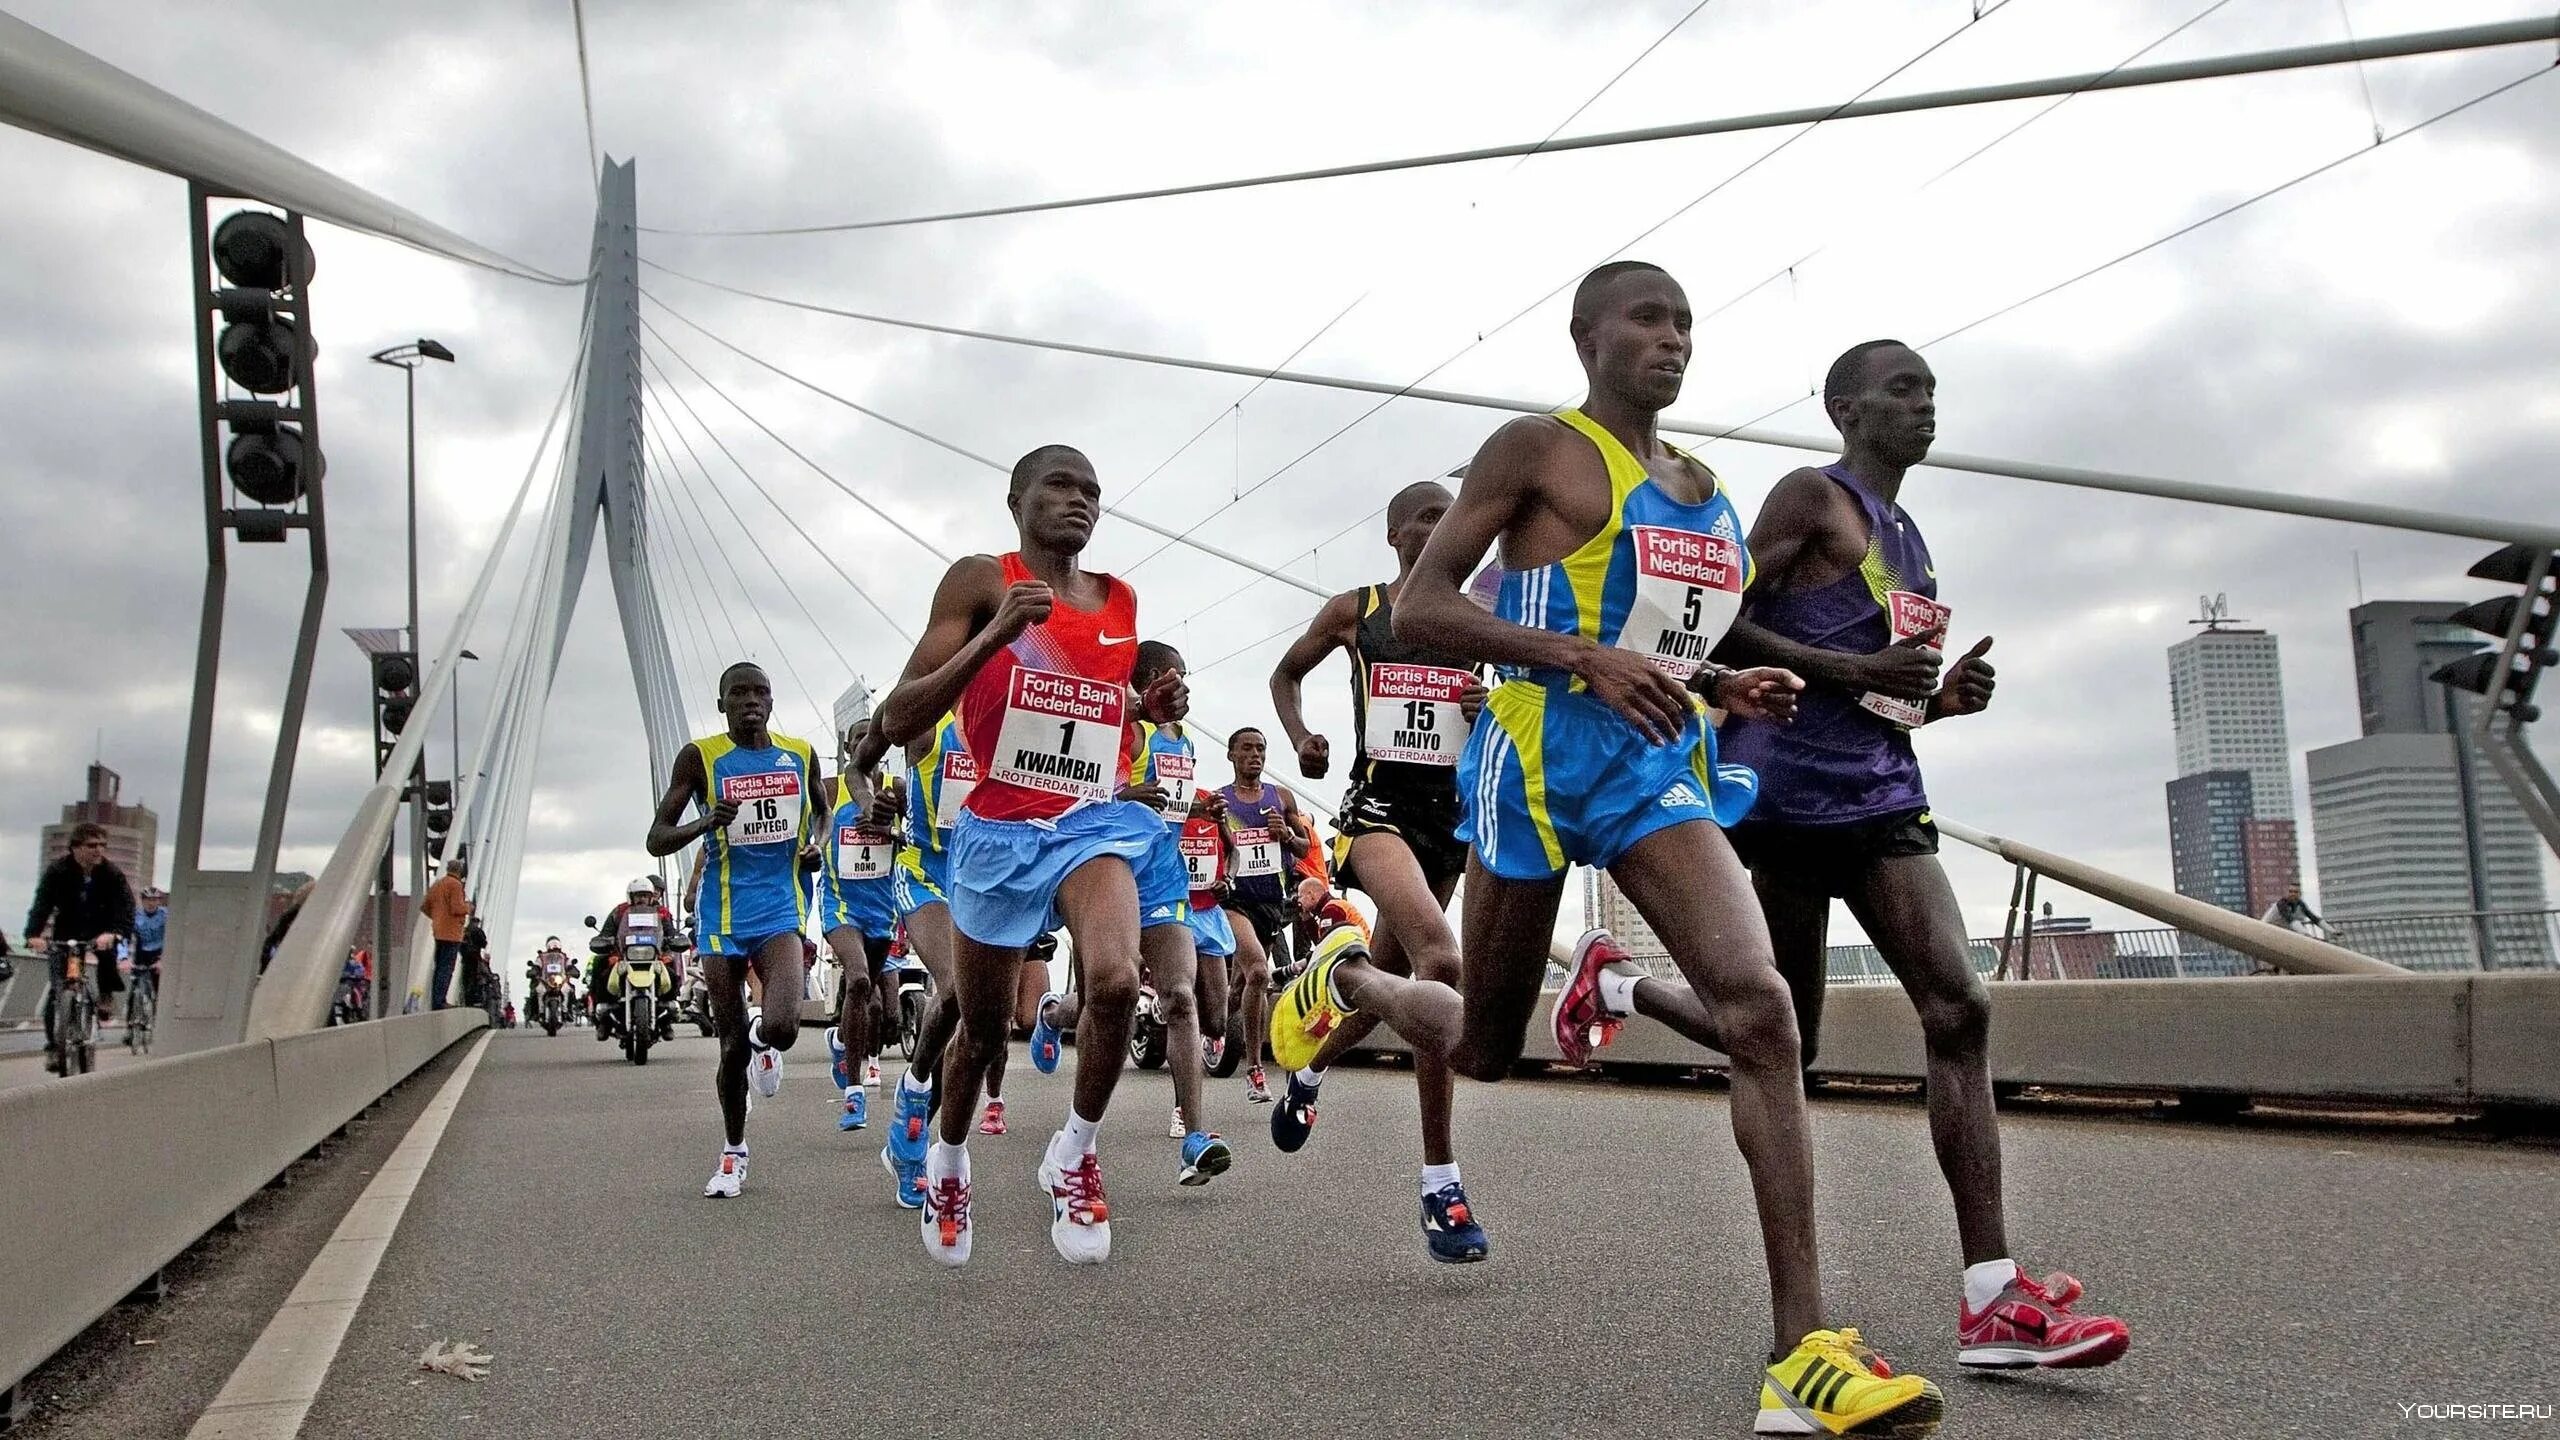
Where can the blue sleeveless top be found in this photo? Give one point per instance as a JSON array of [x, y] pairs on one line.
[[752, 885]]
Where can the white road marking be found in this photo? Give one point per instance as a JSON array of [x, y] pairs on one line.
[[268, 1395]]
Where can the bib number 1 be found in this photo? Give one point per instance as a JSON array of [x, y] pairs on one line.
[[1061, 735]]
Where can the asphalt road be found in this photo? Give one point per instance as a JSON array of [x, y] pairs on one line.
[[2278, 1284]]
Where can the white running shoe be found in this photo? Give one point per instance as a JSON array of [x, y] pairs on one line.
[[726, 1181], [945, 1218], [1177, 1130], [871, 1072], [764, 1072], [1080, 1217]]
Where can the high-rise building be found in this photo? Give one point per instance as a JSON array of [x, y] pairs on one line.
[[2208, 837], [133, 831], [2386, 810], [2226, 704], [2273, 858]]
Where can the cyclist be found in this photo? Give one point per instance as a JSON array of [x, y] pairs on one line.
[[150, 937], [82, 899]]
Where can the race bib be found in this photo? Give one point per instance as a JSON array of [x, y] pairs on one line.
[[1176, 773], [1688, 589], [1414, 715], [768, 807], [1257, 853], [1205, 858], [959, 777], [864, 854], [1908, 614], [1061, 734]]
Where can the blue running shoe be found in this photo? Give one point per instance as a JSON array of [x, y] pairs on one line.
[[857, 1109], [910, 1179], [1449, 1227], [907, 1125], [835, 1058], [1044, 1037], [1294, 1118], [1204, 1158]]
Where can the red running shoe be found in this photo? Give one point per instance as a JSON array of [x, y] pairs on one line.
[[2031, 1326], [1582, 1023], [993, 1124]]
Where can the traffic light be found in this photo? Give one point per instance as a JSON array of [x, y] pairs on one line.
[[395, 690], [265, 350], [2522, 624]]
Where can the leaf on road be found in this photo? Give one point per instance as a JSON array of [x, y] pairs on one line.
[[461, 1361]]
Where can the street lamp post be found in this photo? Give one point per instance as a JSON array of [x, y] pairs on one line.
[[406, 359]]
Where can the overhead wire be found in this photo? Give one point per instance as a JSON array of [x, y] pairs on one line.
[[2471, 37], [737, 574], [667, 386]]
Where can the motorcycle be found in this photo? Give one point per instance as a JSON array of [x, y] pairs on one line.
[[349, 1006], [1147, 1031], [915, 996], [640, 988], [551, 1002]]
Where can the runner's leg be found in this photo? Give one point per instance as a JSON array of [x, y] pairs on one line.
[[1174, 967], [983, 980], [1506, 957], [1907, 907], [725, 974], [1413, 939], [781, 962], [929, 939], [1686, 883], [1099, 900], [854, 1011], [1800, 935]]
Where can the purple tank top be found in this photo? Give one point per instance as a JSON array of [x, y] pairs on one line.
[[1838, 762], [1259, 818]]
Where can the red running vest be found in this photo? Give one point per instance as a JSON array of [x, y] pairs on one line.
[[1048, 716]]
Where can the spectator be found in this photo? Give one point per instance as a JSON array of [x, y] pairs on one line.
[[447, 911]]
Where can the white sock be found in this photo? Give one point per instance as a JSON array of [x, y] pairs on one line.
[[915, 1084], [1618, 990], [1436, 1176], [755, 1030], [1984, 1282], [738, 1149], [1311, 1078], [1080, 1133], [942, 1162]]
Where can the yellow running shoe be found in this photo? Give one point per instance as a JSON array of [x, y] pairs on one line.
[[1832, 1385], [1303, 1014]]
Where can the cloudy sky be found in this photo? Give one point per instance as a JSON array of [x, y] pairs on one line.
[[2381, 332]]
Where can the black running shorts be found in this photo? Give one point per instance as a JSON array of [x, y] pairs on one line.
[[1831, 859]]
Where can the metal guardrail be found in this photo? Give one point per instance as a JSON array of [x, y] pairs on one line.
[[170, 1148], [2435, 944]]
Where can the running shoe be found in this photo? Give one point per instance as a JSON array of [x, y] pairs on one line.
[[1257, 1086], [1831, 1385], [871, 1072], [857, 1109], [945, 1221], [2031, 1326], [1294, 1118], [764, 1071], [1044, 1037], [910, 1179], [1204, 1158], [907, 1126], [1449, 1229], [993, 1122], [726, 1181], [1582, 1023], [1079, 1214], [1306, 1011], [835, 1058], [1175, 1129], [1213, 1048]]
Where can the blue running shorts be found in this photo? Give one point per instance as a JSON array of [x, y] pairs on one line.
[[1551, 778], [1005, 874]]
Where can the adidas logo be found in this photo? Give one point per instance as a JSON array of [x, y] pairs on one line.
[[1679, 797], [1161, 912], [1723, 528]]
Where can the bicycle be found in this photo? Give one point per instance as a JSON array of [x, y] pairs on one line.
[[142, 1006], [73, 1006]]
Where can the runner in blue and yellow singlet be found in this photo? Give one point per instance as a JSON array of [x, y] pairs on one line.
[[758, 796], [1625, 566], [858, 915], [939, 776]]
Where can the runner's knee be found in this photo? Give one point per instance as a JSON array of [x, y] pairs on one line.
[[1756, 1019], [1110, 987], [1178, 1003], [1957, 1021]]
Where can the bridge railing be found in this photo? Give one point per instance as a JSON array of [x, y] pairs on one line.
[[2436, 943]]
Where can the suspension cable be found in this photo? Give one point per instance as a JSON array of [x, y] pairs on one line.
[[2429, 42], [747, 596]]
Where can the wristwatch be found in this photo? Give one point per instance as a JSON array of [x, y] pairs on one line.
[[1710, 678]]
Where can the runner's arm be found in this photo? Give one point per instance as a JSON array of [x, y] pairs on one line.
[[1500, 487], [957, 640], [1297, 835], [669, 831], [1331, 630], [1799, 517]]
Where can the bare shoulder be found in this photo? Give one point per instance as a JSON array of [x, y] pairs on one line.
[[1804, 499], [1522, 448]]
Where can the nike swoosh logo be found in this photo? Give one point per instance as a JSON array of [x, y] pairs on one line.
[[1115, 639]]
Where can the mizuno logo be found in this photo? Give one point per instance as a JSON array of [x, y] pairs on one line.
[[1115, 639]]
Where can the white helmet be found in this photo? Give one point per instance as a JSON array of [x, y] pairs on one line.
[[642, 886]]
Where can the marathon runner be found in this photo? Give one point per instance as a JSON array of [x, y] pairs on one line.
[[1847, 597], [1272, 837], [1623, 567], [1397, 834], [1036, 653], [859, 914], [940, 774], [757, 790]]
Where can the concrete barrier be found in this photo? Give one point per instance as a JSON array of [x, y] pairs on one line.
[[2437, 1039], [112, 1175]]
